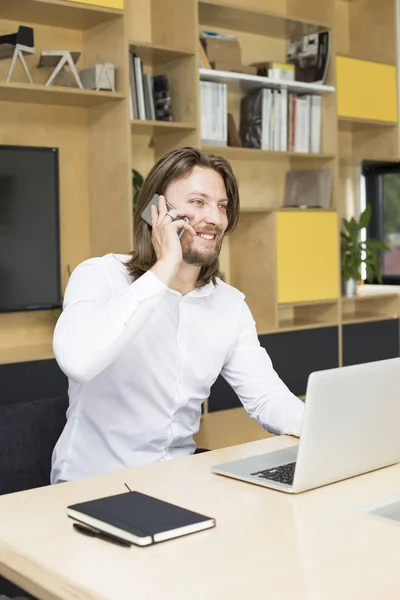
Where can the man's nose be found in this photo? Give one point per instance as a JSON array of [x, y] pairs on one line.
[[213, 215]]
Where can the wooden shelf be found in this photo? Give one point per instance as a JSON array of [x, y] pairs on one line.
[[365, 317], [240, 18], [304, 209], [238, 153], [57, 13], [151, 127], [157, 54], [26, 353], [310, 303], [251, 82], [54, 95], [286, 325], [370, 296], [351, 120]]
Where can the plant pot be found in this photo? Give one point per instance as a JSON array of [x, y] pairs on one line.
[[349, 287]]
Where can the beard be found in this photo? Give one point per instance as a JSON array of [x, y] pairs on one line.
[[200, 258]]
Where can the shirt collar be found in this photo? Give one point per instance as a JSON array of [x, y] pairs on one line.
[[199, 292], [204, 290]]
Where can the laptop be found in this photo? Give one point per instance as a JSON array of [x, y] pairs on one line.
[[350, 426]]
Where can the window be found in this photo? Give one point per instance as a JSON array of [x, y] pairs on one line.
[[382, 187]]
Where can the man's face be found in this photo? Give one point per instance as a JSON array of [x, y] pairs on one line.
[[203, 193]]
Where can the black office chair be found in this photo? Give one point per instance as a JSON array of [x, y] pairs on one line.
[[28, 433]]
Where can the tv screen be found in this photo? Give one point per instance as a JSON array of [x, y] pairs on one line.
[[29, 229]]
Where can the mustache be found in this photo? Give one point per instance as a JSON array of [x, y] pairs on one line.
[[210, 228]]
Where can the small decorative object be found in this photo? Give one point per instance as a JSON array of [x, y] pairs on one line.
[[309, 188], [99, 77], [58, 60], [15, 45], [355, 252]]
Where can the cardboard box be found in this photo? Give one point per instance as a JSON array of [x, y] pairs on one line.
[[233, 68], [222, 50], [275, 69]]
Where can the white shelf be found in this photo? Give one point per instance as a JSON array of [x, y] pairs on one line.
[[251, 82]]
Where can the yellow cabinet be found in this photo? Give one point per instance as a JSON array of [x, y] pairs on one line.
[[366, 90], [103, 3], [307, 245]]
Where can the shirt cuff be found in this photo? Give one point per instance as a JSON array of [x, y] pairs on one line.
[[296, 420]]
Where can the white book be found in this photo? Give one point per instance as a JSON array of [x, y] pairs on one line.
[[139, 88], [284, 120], [224, 113], [150, 93], [218, 114], [132, 87], [277, 119], [307, 135], [203, 113], [316, 123], [300, 123], [214, 113], [209, 112]]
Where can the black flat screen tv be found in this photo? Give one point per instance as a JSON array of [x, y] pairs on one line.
[[29, 229]]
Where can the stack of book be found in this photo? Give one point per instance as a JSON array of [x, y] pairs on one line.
[[149, 97], [214, 120], [279, 120]]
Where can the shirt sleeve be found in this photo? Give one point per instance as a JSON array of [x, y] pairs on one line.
[[96, 325], [263, 394]]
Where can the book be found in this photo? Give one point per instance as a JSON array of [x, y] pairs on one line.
[[138, 518], [214, 113], [162, 98]]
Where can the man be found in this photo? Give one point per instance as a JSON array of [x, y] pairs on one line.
[[143, 337]]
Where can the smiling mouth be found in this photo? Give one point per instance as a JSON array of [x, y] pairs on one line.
[[207, 236]]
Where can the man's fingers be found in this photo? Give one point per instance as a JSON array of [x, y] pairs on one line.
[[181, 224]]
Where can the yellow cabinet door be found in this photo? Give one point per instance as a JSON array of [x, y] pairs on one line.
[[307, 256], [103, 3], [366, 90]]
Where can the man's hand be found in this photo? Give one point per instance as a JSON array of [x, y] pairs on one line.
[[165, 239]]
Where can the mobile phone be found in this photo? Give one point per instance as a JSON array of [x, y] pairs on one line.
[[146, 214]]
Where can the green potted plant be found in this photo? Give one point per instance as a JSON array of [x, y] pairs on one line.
[[137, 182], [355, 252]]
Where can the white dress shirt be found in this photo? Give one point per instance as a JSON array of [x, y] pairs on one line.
[[141, 359]]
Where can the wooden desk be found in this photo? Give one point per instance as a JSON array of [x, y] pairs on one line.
[[266, 544]]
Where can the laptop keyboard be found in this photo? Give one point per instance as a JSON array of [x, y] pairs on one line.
[[283, 473]]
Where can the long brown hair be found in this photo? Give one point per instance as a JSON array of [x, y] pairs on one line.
[[173, 166]]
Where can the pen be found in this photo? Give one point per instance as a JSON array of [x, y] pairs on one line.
[[107, 537]]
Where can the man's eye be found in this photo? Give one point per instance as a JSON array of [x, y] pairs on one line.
[[197, 201], [223, 206]]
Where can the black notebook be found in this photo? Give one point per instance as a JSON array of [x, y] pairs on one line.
[[138, 518]]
